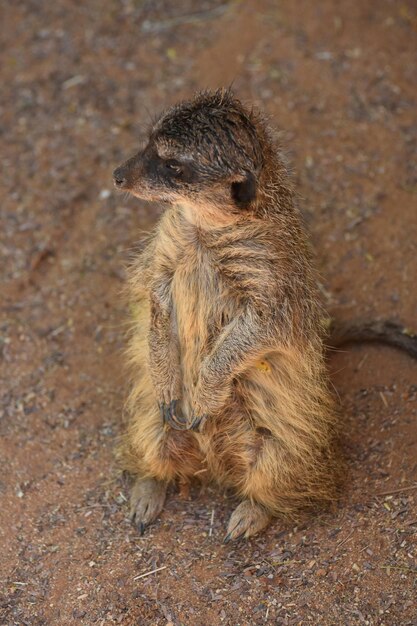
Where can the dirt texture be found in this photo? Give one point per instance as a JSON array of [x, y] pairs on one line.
[[79, 84]]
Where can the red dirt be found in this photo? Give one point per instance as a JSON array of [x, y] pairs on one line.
[[79, 82]]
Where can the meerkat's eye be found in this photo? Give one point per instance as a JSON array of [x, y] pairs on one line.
[[174, 166]]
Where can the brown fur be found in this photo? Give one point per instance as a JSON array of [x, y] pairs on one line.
[[228, 322]]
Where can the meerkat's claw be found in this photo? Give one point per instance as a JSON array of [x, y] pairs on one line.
[[197, 423], [246, 520], [235, 534], [228, 538], [146, 502], [172, 416]]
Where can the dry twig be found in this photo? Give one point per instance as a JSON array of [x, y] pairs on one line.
[[158, 569]]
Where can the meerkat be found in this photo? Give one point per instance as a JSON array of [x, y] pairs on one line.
[[227, 354]]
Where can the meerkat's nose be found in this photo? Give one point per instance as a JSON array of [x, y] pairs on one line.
[[119, 177]]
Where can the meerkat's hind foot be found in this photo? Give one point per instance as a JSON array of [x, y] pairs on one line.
[[246, 520], [147, 501]]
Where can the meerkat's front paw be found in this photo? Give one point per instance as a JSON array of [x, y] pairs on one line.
[[147, 501], [246, 520], [201, 411], [172, 415], [207, 404], [197, 423]]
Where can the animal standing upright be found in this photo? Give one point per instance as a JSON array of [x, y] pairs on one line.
[[228, 374]]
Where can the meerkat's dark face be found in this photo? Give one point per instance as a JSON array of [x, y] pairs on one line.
[[204, 153]]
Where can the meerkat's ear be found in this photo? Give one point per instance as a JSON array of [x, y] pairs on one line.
[[243, 190]]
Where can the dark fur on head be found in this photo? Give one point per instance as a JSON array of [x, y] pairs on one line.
[[208, 153]]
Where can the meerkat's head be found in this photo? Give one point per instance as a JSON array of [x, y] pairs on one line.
[[204, 153]]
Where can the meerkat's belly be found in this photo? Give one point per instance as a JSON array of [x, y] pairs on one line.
[[198, 301]]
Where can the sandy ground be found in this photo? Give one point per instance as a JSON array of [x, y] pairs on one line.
[[79, 84]]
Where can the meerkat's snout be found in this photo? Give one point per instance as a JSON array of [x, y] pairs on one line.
[[119, 177], [146, 175], [127, 175]]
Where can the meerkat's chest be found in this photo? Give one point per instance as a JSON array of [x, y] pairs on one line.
[[198, 294]]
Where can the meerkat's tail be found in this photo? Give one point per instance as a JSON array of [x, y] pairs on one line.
[[376, 331]]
